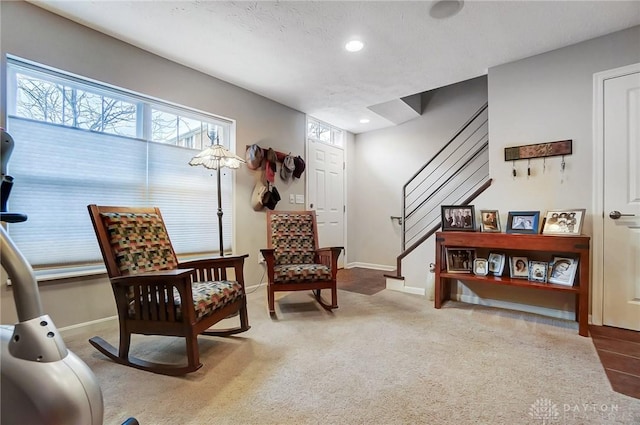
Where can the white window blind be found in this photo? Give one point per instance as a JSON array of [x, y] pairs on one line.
[[59, 169]]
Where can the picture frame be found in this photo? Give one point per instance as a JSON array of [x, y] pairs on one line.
[[458, 217], [538, 271], [523, 222], [480, 267], [460, 260], [562, 270], [490, 221], [519, 267], [496, 262], [563, 222]]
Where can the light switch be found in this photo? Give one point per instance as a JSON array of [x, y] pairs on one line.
[[299, 199], [292, 198]]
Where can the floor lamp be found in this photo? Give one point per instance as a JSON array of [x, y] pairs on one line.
[[216, 157]]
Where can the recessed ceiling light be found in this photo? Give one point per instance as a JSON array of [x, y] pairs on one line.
[[354, 46], [444, 9], [364, 121]]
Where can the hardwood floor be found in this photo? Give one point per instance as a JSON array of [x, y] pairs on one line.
[[619, 352], [361, 280]]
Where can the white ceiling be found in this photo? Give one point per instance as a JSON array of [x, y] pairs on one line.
[[292, 51]]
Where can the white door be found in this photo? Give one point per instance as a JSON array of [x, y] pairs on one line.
[[325, 178], [621, 227]]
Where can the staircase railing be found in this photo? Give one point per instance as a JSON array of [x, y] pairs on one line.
[[456, 175]]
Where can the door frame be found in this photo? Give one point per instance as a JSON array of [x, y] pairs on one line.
[[597, 241], [345, 141]]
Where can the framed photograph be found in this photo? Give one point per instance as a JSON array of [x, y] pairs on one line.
[[538, 271], [563, 222], [562, 270], [490, 221], [496, 263], [458, 217], [480, 266], [523, 222], [460, 260], [519, 267]]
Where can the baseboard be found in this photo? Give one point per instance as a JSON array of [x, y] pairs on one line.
[[543, 311], [394, 284], [369, 266], [84, 326]]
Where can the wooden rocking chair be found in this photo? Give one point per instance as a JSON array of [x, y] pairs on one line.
[[294, 261], [156, 295]]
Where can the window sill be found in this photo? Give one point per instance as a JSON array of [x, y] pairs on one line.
[[70, 272], [60, 273]]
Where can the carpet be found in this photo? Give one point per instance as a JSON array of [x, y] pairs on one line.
[[388, 358]]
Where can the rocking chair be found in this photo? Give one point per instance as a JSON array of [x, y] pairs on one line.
[[156, 295], [294, 261]]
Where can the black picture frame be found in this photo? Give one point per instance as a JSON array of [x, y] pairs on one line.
[[460, 260], [460, 218], [525, 222]]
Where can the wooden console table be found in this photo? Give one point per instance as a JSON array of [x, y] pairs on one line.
[[538, 246]]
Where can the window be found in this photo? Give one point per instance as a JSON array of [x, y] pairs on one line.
[[78, 142], [324, 133]]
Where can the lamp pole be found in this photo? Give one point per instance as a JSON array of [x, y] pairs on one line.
[[215, 157], [220, 211]]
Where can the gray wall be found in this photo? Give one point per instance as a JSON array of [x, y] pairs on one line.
[[384, 160], [543, 98], [32, 33]]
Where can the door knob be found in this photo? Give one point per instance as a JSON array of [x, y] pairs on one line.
[[617, 214]]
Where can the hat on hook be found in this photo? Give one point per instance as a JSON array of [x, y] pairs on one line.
[[288, 167]]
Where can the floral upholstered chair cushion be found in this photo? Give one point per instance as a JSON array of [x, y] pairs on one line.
[[141, 244], [293, 241]]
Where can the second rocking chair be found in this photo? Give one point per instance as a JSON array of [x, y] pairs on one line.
[[294, 261]]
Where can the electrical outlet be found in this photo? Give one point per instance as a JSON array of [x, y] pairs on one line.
[[292, 198]]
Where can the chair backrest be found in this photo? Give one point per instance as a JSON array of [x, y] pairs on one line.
[[293, 236], [132, 240]]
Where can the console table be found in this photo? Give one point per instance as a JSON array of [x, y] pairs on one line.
[[537, 246]]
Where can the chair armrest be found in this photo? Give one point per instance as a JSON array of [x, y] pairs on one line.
[[160, 276], [335, 250], [231, 261], [270, 259], [329, 257], [217, 268], [152, 292], [267, 252]]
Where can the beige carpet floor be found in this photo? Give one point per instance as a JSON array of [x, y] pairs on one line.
[[388, 358]]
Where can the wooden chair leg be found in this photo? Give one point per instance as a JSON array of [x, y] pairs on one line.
[[244, 317], [125, 343], [334, 297], [271, 299], [193, 354]]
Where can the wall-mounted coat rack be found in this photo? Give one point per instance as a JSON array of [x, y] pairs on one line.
[[539, 150]]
